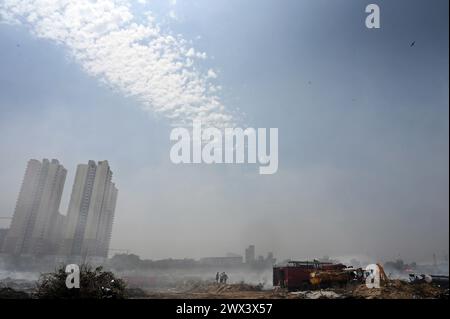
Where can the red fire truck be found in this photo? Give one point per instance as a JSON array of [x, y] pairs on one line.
[[295, 275]]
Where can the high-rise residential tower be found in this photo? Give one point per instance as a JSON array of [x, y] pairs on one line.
[[91, 212], [250, 255], [34, 227]]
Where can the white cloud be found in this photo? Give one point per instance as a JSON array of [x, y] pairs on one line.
[[212, 74], [139, 59], [191, 53]]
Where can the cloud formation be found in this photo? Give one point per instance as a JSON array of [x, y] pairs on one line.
[[138, 58]]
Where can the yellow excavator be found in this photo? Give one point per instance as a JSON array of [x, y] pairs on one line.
[[383, 277], [341, 277]]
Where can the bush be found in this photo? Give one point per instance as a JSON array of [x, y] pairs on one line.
[[95, 283], [9, 293]]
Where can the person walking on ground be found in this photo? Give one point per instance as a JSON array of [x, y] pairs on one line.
[[217, 277], [225, 278]]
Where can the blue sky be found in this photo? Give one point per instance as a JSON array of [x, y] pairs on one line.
[[362, 118]]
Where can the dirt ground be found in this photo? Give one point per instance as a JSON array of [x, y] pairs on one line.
[[395, 289]]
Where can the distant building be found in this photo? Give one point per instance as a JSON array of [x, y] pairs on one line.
[[3, 232], [258, 262], [250, 255], [91, 212], [222, 261], [270, 260], [58, 231], [35, 220]]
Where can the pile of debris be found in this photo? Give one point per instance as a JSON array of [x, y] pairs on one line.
[[398, 289], [394, 289], [214, 288], [239, 287], [318, 294]]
